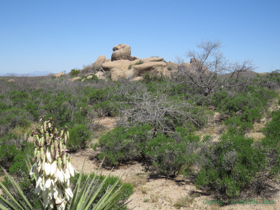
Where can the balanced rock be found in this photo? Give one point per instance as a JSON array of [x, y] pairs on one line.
[[121, 52]]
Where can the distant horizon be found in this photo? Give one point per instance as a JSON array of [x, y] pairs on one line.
[[57, 36]]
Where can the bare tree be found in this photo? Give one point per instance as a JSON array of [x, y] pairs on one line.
[[209, 68]]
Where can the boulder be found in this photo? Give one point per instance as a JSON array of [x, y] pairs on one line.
[[11, 80], [172, 66], [59, 74], [100, 60], [194, 66], [100, 75], [96, 66], [74, 79], [89, 77], [153, 68], [137, 79], [83, 80], [121, 52], [118, 69], [133, 58], [151, 59], [107, 60]]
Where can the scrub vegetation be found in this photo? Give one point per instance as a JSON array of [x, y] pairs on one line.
[[158, 121]]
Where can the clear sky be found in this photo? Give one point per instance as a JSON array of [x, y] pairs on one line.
[[58, 35]]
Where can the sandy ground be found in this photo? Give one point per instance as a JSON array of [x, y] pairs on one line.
[[157, 192], [160, 193]]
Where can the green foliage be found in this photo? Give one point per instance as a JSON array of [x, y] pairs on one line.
[[127, 189], [74, 72], [13, 117], [13, 151], [79, 137], [97, 95], [147, 78], [169, 154], [230, 166], [93, 78], [121, 145], [32, 108], [166, 154], [271, 142], [254, 98], [106, 108]]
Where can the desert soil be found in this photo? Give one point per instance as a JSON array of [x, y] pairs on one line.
[[160, 193]]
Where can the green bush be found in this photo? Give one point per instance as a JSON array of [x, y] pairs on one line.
[[271, 142], [168, 155], [106, 108], [97, 95], [74, 72], [127, 189], [230, 166], [122, 145], [79, 137]]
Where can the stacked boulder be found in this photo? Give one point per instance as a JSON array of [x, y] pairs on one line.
[[123, 65]]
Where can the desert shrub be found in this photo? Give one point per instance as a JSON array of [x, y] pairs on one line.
[[97, 95], [79, 137], [253, 98], [271, 142], [74, 72], [127, 189], [19, 98], [240, 103], [122, 145], [94, 78], [18, 166], [106, 108], [147, 78], [230, 166], [236, 125], [32, 108], [11, 118], [13, 150], [168, 155]]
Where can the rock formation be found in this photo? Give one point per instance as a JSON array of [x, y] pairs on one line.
[[59, 74], [123, 65], [121, 52], [96, 66]]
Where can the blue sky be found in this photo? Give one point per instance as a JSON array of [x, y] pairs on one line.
[[58, 35]]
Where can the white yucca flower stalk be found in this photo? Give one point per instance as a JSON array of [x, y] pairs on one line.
[[52, 168]]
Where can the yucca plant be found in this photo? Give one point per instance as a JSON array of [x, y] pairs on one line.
[[52, 171]]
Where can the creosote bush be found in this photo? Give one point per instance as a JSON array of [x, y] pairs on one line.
[[230, 166], [74, 72]]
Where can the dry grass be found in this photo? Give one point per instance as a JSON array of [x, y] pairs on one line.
[[183, 202], [154, 198], [137, 180], [18, 131]]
